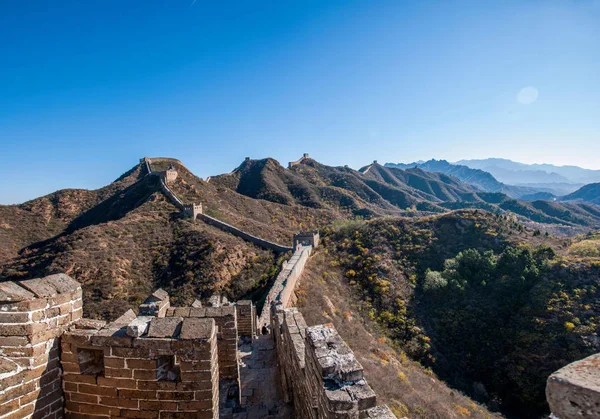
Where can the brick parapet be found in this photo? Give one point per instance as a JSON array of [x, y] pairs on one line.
[[225, 318], [169, 371], [283, 288], [319, 373], [33, 316]]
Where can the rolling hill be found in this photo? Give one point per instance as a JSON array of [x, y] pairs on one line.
[[588, 193], [376, 190]]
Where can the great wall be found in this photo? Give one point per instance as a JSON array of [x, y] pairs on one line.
[[211, 360]]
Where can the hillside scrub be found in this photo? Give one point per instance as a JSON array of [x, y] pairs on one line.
[[408, 388], [464, 294]]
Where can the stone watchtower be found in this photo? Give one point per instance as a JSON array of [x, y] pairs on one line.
[[294, 163], [306, 238], [170, 175], [192, 210]]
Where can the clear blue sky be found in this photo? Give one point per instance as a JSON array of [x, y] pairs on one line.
[[88, 87]]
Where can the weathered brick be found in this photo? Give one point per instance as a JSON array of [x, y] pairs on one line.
[[78, 378], [98, 390], [120, 403], [96, 409], [175, 395], [142, 414], [111, 362], [156, 385], [138, 394], [9, 406], [21, 413], [145, 364], [83, 398], [119, 383], [118, 373], [144, 374]]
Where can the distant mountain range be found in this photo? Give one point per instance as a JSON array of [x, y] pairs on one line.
[[478, 178], [515, 173]]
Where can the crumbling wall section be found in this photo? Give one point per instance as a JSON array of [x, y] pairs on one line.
[[33, 316], [319, 373]]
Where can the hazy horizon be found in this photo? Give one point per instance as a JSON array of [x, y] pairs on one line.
[[89, 88]]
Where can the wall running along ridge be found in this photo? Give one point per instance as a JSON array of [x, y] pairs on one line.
[[244, 235], [282, 290], [191, 210]]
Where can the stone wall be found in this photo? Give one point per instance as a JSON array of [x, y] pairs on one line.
[[319, 373], [33, 316], [146, 162], [225, 319], [283, 288], [146, 366], [573, 392], [246, 317], [171, 195], [244, 235]]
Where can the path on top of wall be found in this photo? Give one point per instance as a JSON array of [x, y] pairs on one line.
[[284, 285], [260, 386]]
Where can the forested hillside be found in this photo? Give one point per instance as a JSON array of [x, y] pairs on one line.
[[490, 305]]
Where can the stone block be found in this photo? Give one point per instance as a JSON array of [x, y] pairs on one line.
[[112, 336], [124, 320], [197, 312], [63, 283], [574, 390], [89, 324], [12, 293], [165, 327], [139, 326], [380, 412], [197, 328]]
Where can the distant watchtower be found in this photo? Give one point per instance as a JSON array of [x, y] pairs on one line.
[[192, 210], [306, 238], [170, 175], [294, 163]]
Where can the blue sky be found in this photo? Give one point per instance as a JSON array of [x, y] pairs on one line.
[[89, 87]]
